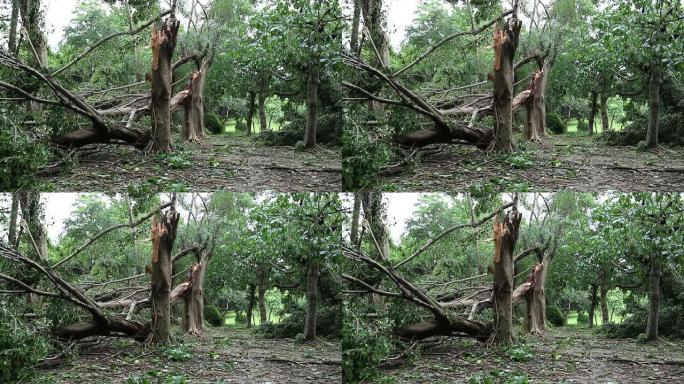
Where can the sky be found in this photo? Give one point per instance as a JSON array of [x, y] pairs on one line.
[[400, 14]]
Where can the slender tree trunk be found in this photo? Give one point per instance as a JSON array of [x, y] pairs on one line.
[[505, 237], [263, 314], [654, 276], [251, 301], [32, 213], [312, 299], [605, 124], [163, 237], [535, 314], [163, 45], [31, 19], [250, 112], [193, 125], [12, 230], [356, 21], [653, 106], [592, 304], [12, 42], [356, 213], [505, 45], [263, 120], [312, 106], [603, 299], [592, 111]]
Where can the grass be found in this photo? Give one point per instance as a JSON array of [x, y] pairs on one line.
[[230, 319], [598, 127], [572, 319], [230, 126]]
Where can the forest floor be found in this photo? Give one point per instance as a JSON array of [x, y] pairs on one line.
[[563, 355], [226, 162], [576, 163], [223, 355]]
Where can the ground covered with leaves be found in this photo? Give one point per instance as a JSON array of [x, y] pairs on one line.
[[563, 355], [224, 355], [576, 163], [225, 162]]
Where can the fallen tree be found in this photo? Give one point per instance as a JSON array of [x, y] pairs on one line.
[[453, 314]]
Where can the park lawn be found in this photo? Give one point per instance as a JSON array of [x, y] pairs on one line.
[[230, 126], [230, 319], [598, 127], [572, 319]]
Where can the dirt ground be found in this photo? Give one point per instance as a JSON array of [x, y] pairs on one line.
[[231, 163], [224, 355], [563, 355], [572, 163]]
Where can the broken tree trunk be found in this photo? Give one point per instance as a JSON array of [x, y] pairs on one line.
[[505, 238], [535, 125], [163, 237], [193, 124], [193, 319], [163, 45], [535, 310], [505, 45]]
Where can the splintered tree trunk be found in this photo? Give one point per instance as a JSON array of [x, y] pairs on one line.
[[193, 124], [592, 112], [535, 314], [163, 237], [194, 298], [653, 106], [163, 45], [605, 124], [654, 276], [312, 275], [592, 304], [535, 127], [263, 314], [312, 106], [505, 238], [505, 45], [251, 300], [250, 112]]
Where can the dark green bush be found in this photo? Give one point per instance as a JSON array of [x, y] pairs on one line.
[[555, 316], [21, 346], [329, 132], [670, 131], [582, 318], [365, 345], [213, 316], [213, 123], [241, 126], [328, 323], [555, 123], [240, 317], [582, 126], [20, 158], [670, 323]]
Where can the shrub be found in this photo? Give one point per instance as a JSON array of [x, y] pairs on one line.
[[20, 158], [670, 131], [364, 345], [213, 316], [582, 126], [21, 346], [555, 316], [240, 317], [213, 123], [582, 318], [241, 126], [555, 123]]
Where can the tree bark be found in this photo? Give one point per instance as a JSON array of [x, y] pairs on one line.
[[193, 125], [30, 19], [250, 112], [653, 106], [605, 124], [603, 300], [263, 314], [592, 111], [312, 299], [263, 95], [356, 22], [251, 300], [32, 213], [163, 45], [654, 276], [193, 320], [505, 45], [312, 106], [12, 230], [535, 314], [163, 237], [356, 213], [535, 124], [505, 237], [14, 20], [592, 304]]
